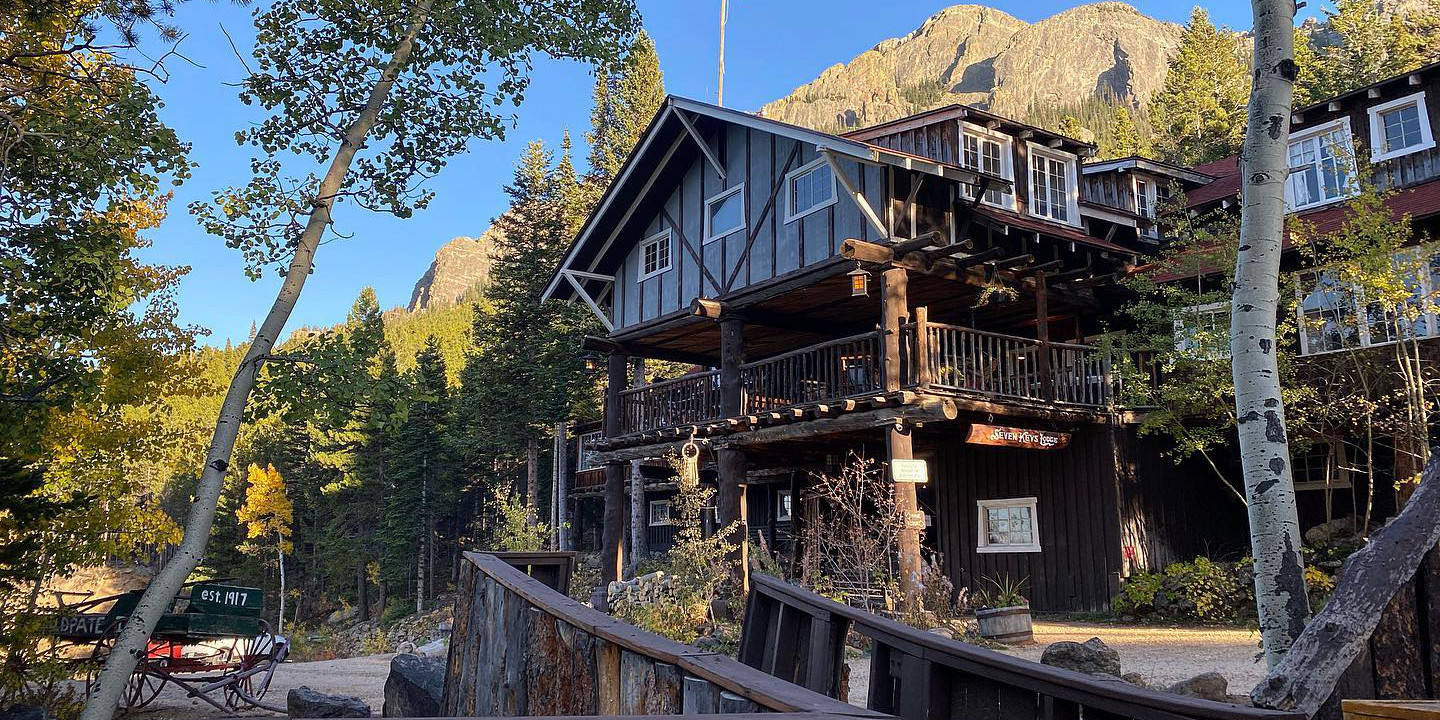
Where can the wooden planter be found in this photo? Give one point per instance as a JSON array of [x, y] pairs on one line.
[[1009, 625]]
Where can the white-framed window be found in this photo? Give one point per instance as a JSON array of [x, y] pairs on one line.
[[808, 188], [1007, 525], [1054, 192], [655, 254], [585, 457], [1321, 466], [1322, 165], [1150, 194], [1400, 127], [1203, 331], [992, 153], [725, 213], [659, 512], [1334, 316], [782, 506]]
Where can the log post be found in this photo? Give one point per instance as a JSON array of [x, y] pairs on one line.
[[612, 531], [923, 370], [731, 462], [1042, 333], [562, 486], [894, 301]]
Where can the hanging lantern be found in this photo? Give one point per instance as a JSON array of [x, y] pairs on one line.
[[859, 282], [592, 362]]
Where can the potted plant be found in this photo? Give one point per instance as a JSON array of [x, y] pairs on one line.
[[1003, 613]]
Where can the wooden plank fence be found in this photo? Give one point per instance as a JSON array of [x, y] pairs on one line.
[[798, 636], [520, 648]]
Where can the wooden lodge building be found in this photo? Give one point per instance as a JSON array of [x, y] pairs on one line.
[[935, 288]]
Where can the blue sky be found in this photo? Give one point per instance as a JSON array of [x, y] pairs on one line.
[[772, 46]]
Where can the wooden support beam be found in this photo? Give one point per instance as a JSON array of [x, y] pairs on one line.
[[856, 196], [1025, 259], [925, 409], [704, 146], [612, 536], [978, 258], [606, 345], [1045, 266]]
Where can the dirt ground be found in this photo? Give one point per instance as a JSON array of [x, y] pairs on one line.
[[363, 677], [1163, 655]]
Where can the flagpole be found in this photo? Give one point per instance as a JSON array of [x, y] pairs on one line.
[[720, 83]]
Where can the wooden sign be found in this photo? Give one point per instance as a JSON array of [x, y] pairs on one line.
[[1017, 437], [911, 471]]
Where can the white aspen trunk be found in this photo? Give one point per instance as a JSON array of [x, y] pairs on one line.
[[532, 479], [562, 487], [280, 619], [1264, 447], [135, 635]]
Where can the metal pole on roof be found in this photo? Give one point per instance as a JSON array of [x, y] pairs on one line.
[[720, 82]]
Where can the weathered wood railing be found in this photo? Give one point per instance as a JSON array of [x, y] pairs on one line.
[[952, 357], [520, 648], [831, 370], [671, 403], [798, 636]]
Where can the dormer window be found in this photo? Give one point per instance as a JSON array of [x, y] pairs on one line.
[[989, 152], [725, 213], [1321, 165], [1399, 127], [1053, 190], [1149, 194]]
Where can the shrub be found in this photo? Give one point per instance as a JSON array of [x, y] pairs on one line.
[[1205, 590]]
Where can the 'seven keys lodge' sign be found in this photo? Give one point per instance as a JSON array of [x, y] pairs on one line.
[[1017, 437]]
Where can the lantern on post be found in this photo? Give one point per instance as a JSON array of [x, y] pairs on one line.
[[859, 282]]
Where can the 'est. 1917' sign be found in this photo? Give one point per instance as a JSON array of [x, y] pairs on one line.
[[1017, 437]]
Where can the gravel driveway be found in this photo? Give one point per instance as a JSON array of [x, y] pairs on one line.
[[1163, 655], [363, 677]]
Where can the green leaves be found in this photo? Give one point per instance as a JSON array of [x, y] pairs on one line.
[[1199, 115]]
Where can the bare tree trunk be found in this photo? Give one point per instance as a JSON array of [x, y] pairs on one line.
[[562, 488], [280, 618], [638, 521], [362, 592], [1264, 447], [135, 635], [532, 478]]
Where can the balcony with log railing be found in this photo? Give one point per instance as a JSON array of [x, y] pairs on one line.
[[935, 358]]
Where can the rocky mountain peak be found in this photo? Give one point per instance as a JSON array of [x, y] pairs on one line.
[[459, 266], [982, 56]]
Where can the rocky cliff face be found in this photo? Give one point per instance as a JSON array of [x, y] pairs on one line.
[[981, 56], [459, 265]]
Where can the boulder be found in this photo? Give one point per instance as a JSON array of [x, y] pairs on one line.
[[302, 702], [438, 647], [1092, 656], [1135, 678], [343, 616], [1326, 532], [1206, 686], [943, 631], [414, 687]]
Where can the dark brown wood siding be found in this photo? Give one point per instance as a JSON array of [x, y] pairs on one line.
[[1078, 566]]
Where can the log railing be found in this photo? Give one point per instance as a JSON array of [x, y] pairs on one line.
[[798, 636], [671, 403], [952, 357], [520, 648], [831, 370]]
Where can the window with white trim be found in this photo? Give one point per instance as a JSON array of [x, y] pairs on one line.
[[655, 254], [725, 213], [809, 188], [1150, 194], [1203, 331], [992, 153], [1007, 525], [1053, 190], [585, 456], [782, 506], [659, 512], [1399, 127], [1322, 165], [1334, 316]]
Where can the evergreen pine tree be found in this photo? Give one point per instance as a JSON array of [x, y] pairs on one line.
[[1122, 138], [1370, 43], [626, 98], [421, 472], [1199, 115]]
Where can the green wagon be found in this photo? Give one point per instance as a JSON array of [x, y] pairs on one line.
[[210, 641]]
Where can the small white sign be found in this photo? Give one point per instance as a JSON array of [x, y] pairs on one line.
[[911, 471]]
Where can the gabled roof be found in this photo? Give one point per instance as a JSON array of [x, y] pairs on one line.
[[667, 135], [1225, 185], [963, 112], [1365, 91], [1156, 167]]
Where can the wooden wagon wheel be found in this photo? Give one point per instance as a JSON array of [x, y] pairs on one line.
[[253, 652], [144, 684]]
